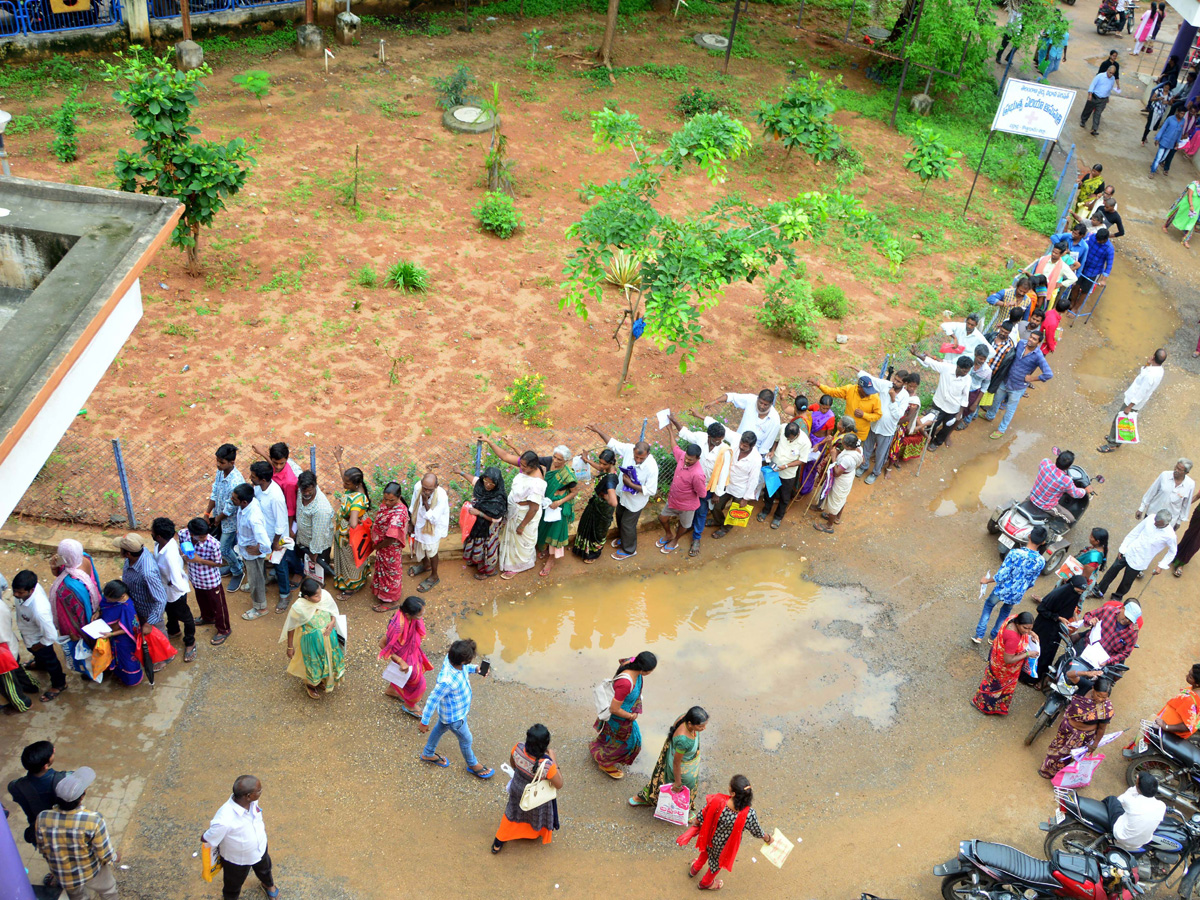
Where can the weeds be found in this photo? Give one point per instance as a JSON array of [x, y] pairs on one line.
[[407, 276], [452, 90], [498, 214], [365, 277], [526, 399]]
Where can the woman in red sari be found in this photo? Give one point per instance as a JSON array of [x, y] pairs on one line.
[[1010, 649], [401, 644], [387, 533], [724, 819]]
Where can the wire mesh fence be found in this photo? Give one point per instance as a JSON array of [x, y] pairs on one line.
[[1065, 184]]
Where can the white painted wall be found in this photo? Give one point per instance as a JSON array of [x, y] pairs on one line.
[[19, 468]]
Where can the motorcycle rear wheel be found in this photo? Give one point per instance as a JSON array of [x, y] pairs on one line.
[[1070, 837], [1039, 724], [993, 526], [1167, 772], [963, 887]]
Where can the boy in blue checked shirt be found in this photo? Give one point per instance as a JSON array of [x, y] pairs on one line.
[[451, 700]]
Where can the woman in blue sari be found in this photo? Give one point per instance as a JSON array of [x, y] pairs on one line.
[[74, 597], [117, 610], [618, 738]]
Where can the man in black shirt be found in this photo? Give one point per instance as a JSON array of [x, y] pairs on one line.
[[1112, 218], [34, 792], [1111, 61]]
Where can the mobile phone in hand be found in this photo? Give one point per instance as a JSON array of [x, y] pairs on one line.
[[485, 667]]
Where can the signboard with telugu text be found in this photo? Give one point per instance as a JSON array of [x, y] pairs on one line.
[[1034, 110]]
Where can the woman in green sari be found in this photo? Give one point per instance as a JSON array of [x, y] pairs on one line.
[[349, 577], [679, 761], [321, 661], [1184, 213], [559, 513]]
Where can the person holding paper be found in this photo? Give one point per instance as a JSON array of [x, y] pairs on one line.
[[894, 394], [320, 662], [401, 647], [638, 482], [562, 487], [719, 834], [518, 538], [1137, 395], [1019, 572], [1117, 631], [1147, 539], [274, 508], [253, 547], [789, 455], [716, 457], [758, 415], [1083, 725]]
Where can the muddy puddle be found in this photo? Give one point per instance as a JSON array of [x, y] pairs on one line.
[[1135, 318], [748, 637], [988, 480]]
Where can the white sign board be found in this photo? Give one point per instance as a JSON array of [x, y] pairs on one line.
[[1034, 110]]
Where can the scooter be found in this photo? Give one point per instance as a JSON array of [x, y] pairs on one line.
[[1080, 824], [1060, 689], [1013, 522], [985, 871]]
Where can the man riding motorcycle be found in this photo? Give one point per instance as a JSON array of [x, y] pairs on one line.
[[1136, 814]]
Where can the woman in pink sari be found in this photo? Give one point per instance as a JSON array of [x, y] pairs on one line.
[[401, 645], [388, 531], [74, 596]]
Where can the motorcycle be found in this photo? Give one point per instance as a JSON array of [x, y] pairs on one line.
[[1013, 522], [1060, 690], [1173, 761], [1080, 825], [986, 871], [1108, 22]]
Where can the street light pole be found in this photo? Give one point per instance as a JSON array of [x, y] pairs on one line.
[[5, 118]]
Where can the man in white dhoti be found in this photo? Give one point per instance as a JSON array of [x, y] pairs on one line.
[[428, 523]]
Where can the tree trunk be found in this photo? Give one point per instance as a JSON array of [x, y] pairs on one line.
[[185, 14], [634, 307], [907, 12], [193, 253], [610, 31]]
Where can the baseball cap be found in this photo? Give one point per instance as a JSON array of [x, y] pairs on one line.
[[131, 543], [73, 786], [1133, 610], [866, 385]]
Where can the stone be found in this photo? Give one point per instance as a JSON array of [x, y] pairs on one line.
[[841, 339], [346, 28], [309, 42], [711, 41], [921, 104], [188, 56]]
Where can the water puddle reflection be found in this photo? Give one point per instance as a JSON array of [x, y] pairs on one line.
[[988, 480], [747, 637]]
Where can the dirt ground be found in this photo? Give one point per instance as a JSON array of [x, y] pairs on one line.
[[881, 781]]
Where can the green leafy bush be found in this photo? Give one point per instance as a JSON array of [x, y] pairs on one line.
[[64, 146], [498, 214], [699, 101], [366, 277], [256, 82], [803, 117], [452, 90], [831, 301], [526, 399], [930, 158], [408, 277], [789, 309]]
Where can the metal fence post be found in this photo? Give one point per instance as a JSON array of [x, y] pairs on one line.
[[116, 445], [312, 458]]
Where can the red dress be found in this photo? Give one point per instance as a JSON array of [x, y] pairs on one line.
[[388, 582]]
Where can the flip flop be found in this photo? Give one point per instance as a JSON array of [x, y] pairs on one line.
[[1178, 573], [440, 761], [662, 542], [385, 607], [824, 529], [51, 695], [668, 550], [219, 639], [411, 712], [272, 892], [487, 773], [508, 576], [415, 570], [695, 549], [1107, 448], [427, 584], [715, 886]]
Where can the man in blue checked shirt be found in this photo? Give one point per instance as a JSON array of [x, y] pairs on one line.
[[451, 700], [1021, 569], [1095, 269]]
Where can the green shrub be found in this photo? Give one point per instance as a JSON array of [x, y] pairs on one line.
[[831, 301], [789, 309], [365, 277], [408, 277], [526, 399], [452, 90], [498, 214], [64, 146], [699, 101], [256, 82], [803, 117]]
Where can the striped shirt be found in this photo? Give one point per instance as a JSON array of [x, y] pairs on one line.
[[314, 523], [146, 588], [222, 490], [75, 844], [451, 696], [204, 577]]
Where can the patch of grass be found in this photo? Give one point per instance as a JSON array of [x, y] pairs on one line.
[[407, 276], [180, 329], [599, 76], [571, 115], [260, 44], [365, 277]]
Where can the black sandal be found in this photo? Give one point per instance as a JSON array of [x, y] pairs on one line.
[[497, 845]]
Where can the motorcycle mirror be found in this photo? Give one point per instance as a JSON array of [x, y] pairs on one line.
[[1196, 820]]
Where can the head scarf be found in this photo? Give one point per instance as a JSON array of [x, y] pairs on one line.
[[70, 552], [492, 503], [303, 609]]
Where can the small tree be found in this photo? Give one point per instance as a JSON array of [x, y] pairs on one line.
[[670, 270], [255, 82], [803, 117], [199, 174], [930, 158], [496, 162], [65, 145]]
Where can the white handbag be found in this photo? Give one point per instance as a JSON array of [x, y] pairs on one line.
[[604, 696], [539, 791]]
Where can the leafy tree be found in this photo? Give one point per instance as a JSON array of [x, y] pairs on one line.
[[171, 162], [684, 263], [803, 117], [496, 161], [930, 159], [950, 34], [256, 82]]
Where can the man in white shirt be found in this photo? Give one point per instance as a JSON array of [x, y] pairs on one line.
[[1172, 491], [953, 390], [428, 524], [758, 415], [174, 577], [274, 509], [716, 456], [35, 621], [967, 335], [238, 833], [253, 545], [633, 493], [792, 452], [1147, 539], [744, 474], [1137, 395], [894, 395], [1136, 814]]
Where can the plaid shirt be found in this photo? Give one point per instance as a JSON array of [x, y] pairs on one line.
[[314, 523], [1021, 569], [1117, 640], [75, 844], [451, 696], [146, 588], [1052, 482], [205, 577]]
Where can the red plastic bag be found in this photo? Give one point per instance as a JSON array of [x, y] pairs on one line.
[[159, 646], [952, 347], [466, 521], [361, 545]]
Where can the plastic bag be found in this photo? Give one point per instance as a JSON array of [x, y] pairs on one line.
[[673, 807], [738, 514], [1078, 774], [1127, 430]]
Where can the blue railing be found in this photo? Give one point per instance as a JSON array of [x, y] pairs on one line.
[[36, 16], [10, 20], [169, 9]]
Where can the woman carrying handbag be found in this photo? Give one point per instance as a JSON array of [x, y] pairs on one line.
[[532, 809]]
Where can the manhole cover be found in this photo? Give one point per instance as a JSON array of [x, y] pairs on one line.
[[471, 114], [468, 119], [877, 34], [712, 41]]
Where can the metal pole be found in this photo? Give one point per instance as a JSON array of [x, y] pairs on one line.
[[478, 458], [913, 25], [1039, 180], [1004, 77], [312, 458], [116, 445], [982, 155], [737, 5], [644, 421]]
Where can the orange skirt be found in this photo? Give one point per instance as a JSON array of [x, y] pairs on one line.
[[521, 831]]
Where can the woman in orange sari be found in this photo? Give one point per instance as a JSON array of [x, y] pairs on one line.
[[1181, 715], [401, 644], [387, 533], [1010, 649]]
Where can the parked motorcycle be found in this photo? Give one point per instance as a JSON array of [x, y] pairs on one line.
[[986, 871], [1013, 522], [1173, 761], [1060, 690], [1080, 824], [1108, 22]]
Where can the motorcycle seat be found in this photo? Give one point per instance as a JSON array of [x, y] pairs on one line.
[[1094, 813], [1185, 751], [1076, 867], [1033, 514], [1013, 862]]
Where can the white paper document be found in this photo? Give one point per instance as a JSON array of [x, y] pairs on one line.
[[664, 416], [96, 630]]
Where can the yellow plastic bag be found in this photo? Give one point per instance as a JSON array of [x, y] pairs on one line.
[[738, 514], [101, 658], [987, 399], [210, 861]]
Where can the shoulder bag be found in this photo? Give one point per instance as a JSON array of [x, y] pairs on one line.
[[539, 791]]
